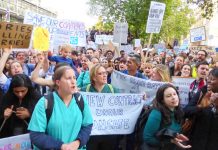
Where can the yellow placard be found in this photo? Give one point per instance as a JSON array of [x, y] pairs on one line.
[[41, 39]]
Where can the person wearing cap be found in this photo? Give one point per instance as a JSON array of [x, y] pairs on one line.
[[133, 64]]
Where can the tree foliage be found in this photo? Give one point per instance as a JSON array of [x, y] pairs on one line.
[[177, 18]]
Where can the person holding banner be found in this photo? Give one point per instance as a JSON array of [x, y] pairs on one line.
[[69, 127], [17, 106], [163, 127], [98, 77]]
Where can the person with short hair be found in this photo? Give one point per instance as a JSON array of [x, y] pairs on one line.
[[200, 81], [133, 64], [65, 50]]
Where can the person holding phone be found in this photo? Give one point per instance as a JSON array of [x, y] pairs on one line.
[[17, 106]]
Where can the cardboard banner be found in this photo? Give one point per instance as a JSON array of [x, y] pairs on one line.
[[209, 49], [41, 39], [114, 113], [20, 142], [16, 35], [120, 32], [155, 17], [130, 84], [61, 31]]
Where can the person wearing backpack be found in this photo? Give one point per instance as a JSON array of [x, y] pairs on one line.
[[68, 127], [98, 77], [163, 126]]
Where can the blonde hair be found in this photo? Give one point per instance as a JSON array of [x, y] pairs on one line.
[[93, 72], [163, 70], [67, 47]]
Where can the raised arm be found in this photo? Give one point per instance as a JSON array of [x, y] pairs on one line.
[[4, 58], [39, 80]]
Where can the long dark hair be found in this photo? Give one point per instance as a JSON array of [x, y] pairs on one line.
[[158, 104], [22, 80]]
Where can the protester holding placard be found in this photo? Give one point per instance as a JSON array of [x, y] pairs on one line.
[[163, 127], [17, 106], [68, 127], [98, 77]]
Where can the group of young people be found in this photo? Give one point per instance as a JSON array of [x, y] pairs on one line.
[[23, 106]]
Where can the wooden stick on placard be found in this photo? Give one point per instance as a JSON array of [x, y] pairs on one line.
[[149, 43]]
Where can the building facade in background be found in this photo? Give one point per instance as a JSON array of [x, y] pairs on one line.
[[14, 10]]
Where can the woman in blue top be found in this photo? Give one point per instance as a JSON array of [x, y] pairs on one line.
[[166, 114], [68, 128]]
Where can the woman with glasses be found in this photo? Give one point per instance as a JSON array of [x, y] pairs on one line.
[[98, 77]]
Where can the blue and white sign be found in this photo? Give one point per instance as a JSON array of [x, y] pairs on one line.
[[198, 34], [114, 113], [74, 40]]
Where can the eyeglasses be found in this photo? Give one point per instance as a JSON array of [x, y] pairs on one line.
[[102, 73]]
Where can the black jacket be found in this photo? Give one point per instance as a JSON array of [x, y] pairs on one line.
[[14, 124], [204, 134]]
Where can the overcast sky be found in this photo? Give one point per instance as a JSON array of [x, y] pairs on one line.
[[71, 9]]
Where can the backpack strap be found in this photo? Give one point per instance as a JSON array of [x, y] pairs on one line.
[[111, 88], [79, 100], [88, 87], [49, 104]]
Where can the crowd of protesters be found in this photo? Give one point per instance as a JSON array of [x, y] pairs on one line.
[[24, 78]]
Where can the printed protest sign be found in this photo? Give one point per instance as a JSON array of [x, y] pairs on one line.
[[198, 34], [21, 142], [16, 35], [127, 48], [120, 32], [137, 42], [130, 84], [155, 17], [61, 31], [41, 39], [114, 113], [209, 49]]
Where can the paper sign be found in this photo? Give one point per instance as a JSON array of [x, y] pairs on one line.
[[41, 39], [137, 42], [155, 17], [198, 34], [16, 34], [120, 32]]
